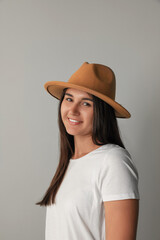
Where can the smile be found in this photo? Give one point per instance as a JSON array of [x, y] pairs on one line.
[[73, 122]]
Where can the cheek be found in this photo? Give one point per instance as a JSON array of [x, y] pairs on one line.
[[91, 119], [62, 110], [89, 116]]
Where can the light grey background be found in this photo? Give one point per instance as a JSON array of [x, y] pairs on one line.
[[44, 40]]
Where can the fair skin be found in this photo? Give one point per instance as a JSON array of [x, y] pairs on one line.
[[75, 107], [121, 219], [121, 216]]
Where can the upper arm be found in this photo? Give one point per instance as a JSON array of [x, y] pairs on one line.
[[121, 219]]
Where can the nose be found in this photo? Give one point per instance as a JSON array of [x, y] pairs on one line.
[[74, 109]]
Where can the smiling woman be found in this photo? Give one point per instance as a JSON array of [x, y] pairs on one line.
[[77, 117], [95, 188]]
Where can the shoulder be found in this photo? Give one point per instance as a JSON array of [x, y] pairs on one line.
[[117, 176], [116, 153], [114, 149], [118, 159]]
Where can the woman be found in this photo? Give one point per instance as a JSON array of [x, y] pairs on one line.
[[94, 192]]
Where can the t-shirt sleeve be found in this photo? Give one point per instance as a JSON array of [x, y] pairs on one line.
[[118, 176]]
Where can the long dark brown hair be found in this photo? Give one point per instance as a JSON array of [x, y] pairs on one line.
[[105, 130]]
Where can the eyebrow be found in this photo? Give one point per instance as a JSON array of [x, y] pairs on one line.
[[82, 98]]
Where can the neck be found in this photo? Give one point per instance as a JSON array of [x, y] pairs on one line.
[[83, 145]]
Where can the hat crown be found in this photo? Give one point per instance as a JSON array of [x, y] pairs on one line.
[[96, 77]]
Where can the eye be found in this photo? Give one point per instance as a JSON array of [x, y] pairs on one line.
[[67, 99], [87, 104]]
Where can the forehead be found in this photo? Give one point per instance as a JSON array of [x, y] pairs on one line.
[[76, 92]]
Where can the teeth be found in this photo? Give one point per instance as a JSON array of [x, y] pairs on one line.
[[73, 120]]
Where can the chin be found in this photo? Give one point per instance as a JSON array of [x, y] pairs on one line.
[[72, 133]]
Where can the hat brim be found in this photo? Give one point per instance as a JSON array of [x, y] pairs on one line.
[[55, 88]]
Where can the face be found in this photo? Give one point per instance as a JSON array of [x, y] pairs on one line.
[[77, 112]]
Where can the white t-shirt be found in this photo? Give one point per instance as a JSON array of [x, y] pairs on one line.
[[106, 173]]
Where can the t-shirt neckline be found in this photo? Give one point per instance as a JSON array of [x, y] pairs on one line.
[[86, 155]]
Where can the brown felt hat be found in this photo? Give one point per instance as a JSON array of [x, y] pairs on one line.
[[96, 79]]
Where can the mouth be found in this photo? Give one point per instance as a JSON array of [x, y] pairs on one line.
[[73, 121]]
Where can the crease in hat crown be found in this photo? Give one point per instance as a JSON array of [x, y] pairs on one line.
[[96, 79]]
